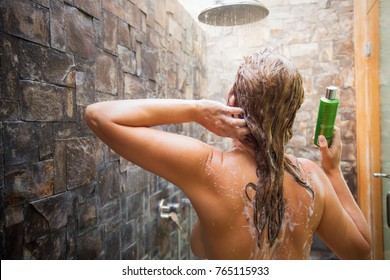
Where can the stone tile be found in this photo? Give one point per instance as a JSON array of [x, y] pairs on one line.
[[151, 236], [9, 110], [160, 13], [343, 46], [85, 193], [56, 209], [36, 226], [35, 61], [108, 182], [174, 29], [91, 245], [110, 28], [127, 60], [138, 57], [135, 205], [112, 246], [302, 50], [46, 144], [135, 180], [171, 78], [110, 211], [85, 88], [10, 72], [60, 166], [13, 215], [28, 182], [149, 66], [106, 73], [113, 224], [20, 142], [85, 65], [124, 38], [87, 214], [27, 20], [71, 240], [128, 234], [80, 168], [116, 7], [154, 39], [13, 247], [134, 87], [147, 6], [57, 23], [45, 102], [80, 34], [132, 15], [92, 8], [130, 253]]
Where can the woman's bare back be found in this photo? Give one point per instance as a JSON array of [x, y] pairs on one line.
[[225, 229]]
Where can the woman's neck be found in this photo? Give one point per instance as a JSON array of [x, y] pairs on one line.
[[237, 144]]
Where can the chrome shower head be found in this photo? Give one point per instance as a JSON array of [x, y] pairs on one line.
[[230, 13]]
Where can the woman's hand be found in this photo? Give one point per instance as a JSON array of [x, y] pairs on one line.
[[330, 157], [222, 120]]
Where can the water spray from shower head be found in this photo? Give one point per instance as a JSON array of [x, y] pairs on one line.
[[230, 13]]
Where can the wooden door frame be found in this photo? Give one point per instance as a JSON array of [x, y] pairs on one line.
[[368, 136]]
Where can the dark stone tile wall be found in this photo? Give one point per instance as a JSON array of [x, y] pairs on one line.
[[64, 194]]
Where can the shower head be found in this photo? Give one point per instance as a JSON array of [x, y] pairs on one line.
[[229, 13]]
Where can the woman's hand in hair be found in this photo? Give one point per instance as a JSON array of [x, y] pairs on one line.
[[222, 120]]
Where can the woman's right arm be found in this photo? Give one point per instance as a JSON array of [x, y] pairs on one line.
[[126, 126], [355, 231]]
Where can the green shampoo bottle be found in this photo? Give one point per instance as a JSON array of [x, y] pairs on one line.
[[327, 112]]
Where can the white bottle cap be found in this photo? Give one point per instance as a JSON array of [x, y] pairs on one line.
[[331, 92]]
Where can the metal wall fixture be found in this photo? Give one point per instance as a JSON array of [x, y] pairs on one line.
[[230, 13], [168, 210], [386, 176]]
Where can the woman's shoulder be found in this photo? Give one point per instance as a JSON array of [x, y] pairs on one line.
[[317, 177], [308, 164]]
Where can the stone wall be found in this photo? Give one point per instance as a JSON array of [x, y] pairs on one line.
[[64, 194], [317, 35]]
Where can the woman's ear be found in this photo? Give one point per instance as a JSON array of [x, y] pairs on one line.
[[232, 101]]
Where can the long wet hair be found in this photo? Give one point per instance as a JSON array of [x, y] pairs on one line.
[[268, 87]]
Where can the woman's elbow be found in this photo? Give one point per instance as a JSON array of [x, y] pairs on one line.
[[90, 115], [93, 117]]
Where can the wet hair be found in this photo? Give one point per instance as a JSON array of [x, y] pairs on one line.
[[268, 87]]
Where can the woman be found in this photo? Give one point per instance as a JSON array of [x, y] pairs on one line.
[[253, 201]]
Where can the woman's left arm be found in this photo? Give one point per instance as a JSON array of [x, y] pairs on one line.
[[125, 126]]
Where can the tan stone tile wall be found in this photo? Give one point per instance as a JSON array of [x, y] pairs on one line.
[[317, 35]]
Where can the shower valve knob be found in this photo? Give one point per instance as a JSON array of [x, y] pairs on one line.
[[175, 218], [169, 211]]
